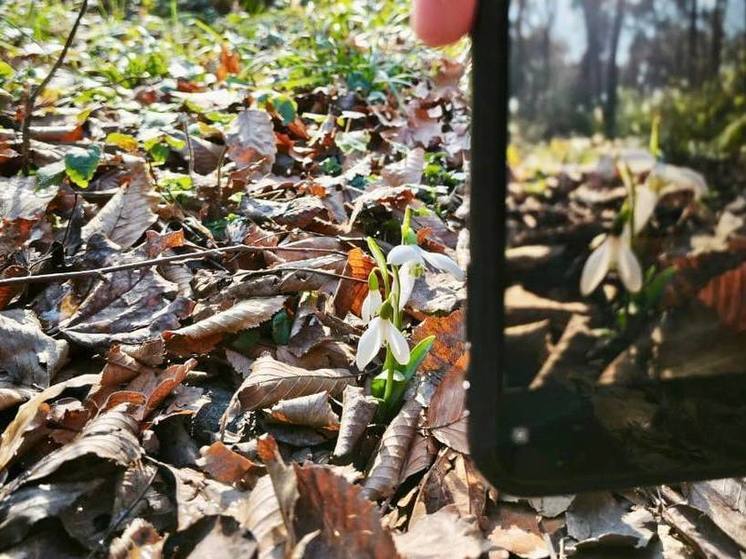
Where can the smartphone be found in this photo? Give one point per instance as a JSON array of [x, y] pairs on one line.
[[607, 284]]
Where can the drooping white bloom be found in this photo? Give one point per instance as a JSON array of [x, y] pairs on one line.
[[404, 282], [645, 201], [403, 254], [381, 331], [674, 179], [615, 252], [371, 305]]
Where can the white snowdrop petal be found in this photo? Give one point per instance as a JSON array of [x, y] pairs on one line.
[[597, 266], [629, 268], [406, 283], [645, 201], [404, 253], [444, 263], [370, 306], [397, 343], [370, 343]]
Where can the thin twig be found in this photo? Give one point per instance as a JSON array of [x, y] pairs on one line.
[[31, 99], [64, 276], [190, 147]]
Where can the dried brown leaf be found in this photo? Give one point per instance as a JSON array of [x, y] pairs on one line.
[[446, 417], [204, 335], [357, 412], [125, 217], [349, 525], [284, 482], [350, 294], [407, 171], [27, 355], [139, 539], [225, 465], [271, 381], [383, 478], [516, 529], [313, 410], [726, 295], [251, 139], [450, 341], [443, 534], [264, 519]]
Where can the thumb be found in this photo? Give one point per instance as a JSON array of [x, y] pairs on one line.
[[439, 22]]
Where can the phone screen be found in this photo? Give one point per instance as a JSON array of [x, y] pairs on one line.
[[624, 281]]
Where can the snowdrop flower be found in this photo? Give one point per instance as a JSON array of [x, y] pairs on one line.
[[404, 282], [671, 178], [373, 300], [404, 254], [615, 252], [381, 331], [645, 201]]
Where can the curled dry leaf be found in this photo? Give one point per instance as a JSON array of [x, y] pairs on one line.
[[443, 534], [351, 294], [515, 528], [726, 295], [383, 478], [349, 525], [223, 464], [29, 505], [31, 418], [125, 217], [204, 335], [251, 139], [110, 436], [284, 482], [27, 355], [312, 411], [264, 519], [357, 411], [271, 381], [407, 171], [446, 417]]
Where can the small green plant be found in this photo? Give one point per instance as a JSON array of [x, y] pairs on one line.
[[383, 313]]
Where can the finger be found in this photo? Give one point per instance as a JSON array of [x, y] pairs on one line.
[[439, 22]]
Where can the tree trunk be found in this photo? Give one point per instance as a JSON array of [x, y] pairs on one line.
[[589, 85], [518, 66], [692, 42], [613, 72], [717, 36]]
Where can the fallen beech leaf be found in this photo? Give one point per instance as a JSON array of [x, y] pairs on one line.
[[110, 436], [125, 217], [20, 198], [516, 529], [450, 341], [271, 381], [225, 465], [350, 294], [27, 355], [139, 539], [390, 197], [284, 482], [349, 525], [204, 335], [31, 417], [298, 212], [383, 478], [598, 518], [726, 295], [722, 501], [407, 171], [129, 306], [312, 411], [446, 417], [264, 519], [27, 506], [8, 292], [156, 243], [443, 534], [251, 138], [357, 412], [213, 536], [421, 455]]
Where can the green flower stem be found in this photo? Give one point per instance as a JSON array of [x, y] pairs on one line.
[[388, 366]]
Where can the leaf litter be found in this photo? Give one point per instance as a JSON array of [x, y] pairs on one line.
[[146, 394]]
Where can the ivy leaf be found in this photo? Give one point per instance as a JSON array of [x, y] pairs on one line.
[[281, 328], [124, 141], [50, 175], [81, 165]]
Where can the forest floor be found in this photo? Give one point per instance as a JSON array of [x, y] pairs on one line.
[[184, 270]]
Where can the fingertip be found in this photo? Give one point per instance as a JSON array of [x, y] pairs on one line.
[[440, 22]]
